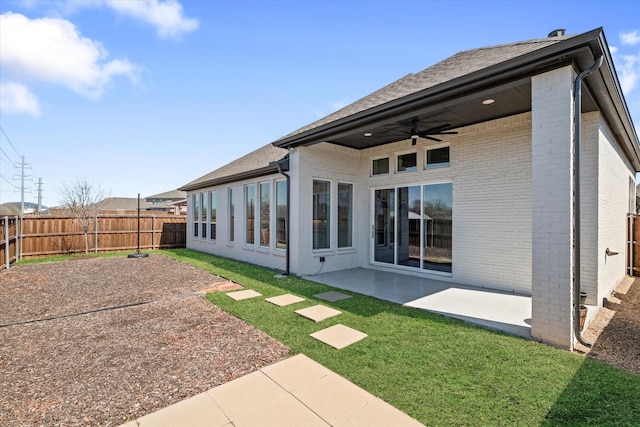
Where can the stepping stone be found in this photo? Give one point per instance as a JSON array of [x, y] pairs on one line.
[[332, 296], [240, 295], [339, 336], [318, 312], [282, 300]]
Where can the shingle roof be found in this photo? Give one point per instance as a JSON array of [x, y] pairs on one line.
[[256, 163], [459, 65], [173, 194]]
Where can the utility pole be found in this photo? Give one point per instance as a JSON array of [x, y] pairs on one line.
[[39, 195]]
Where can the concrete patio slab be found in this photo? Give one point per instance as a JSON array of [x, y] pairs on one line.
[[296, 372], [245, 394], [284, 411], [294, 392], [241, 295], [284, 300], [333, 397], [198, 411], [333, 296], [377, 413], [318, 313], [339, 336], [503, 311]]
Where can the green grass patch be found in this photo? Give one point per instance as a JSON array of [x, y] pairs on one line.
[[440, 371], [58, 258]]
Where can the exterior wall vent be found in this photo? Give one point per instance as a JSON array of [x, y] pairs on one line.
[[557, 33]]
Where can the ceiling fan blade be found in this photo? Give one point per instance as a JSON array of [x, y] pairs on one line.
[[445, 133], [431, 138], [435, 129]]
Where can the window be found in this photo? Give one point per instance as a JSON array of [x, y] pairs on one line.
[[438, 157], [407, 162], [196, 213], [232, 216], [250, 213], [281, 214], [380, 166], [203, 217], [321, 210], [265, 217], [345, 215], [212, 215]]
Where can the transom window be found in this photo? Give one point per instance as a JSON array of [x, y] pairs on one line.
[[437, 157], [380, 166], [407, 162]]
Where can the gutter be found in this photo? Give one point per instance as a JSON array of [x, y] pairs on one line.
[[283, 165], [577, 122]]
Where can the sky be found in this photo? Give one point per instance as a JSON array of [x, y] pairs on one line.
[[144, 96]]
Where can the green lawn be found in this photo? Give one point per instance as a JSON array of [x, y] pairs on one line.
[[440, 371]]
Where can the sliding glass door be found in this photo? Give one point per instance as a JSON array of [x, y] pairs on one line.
[[421, 237]]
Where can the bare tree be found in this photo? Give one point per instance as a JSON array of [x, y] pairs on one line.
[[81, 199]]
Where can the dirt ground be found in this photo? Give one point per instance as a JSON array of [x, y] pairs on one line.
[[103, 341], [615, 333]]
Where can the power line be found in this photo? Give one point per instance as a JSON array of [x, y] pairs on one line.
[[10, 143]]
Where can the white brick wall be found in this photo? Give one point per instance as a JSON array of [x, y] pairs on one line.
[[613, 205], [552, 248], [255, 254], [491, 175]]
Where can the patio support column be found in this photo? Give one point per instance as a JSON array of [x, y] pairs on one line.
[[552, 207]]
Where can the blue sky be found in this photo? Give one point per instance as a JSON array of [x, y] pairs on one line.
[[144, 96]]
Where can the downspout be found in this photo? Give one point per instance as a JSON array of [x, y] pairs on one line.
[[283, 165], [577, 108]]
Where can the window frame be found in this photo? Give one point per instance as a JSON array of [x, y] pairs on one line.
[[326, 217], [409, 169], [262, 212], [350, 216], [374, 160], [232, 215], [446, 164], [250, 221], [213, 215], [278, 216]]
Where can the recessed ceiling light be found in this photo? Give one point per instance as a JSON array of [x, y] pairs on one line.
[[488, 101], [368, 134]]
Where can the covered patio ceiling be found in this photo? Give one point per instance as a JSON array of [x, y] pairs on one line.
[[508, 99]]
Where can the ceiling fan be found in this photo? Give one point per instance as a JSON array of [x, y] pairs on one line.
[[428, 134]]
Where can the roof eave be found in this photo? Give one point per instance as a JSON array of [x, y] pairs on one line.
[[255, 173]]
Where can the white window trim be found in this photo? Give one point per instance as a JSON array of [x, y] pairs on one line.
[[372, 159], [404, 153], [437, 165]]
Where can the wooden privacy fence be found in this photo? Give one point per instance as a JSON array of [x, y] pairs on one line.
[[8, 240], [54, 235]]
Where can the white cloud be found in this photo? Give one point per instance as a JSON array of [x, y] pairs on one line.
[[18, 99], [165, 16], [629, 72], [632, 38], [53, 50]]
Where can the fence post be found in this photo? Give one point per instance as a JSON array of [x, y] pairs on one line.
[[153, 231], [18, 250], [7, 246], [95, 235]]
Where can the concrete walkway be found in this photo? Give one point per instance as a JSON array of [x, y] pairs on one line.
[[294, 392]]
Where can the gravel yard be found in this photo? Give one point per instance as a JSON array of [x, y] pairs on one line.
[[146, 339]]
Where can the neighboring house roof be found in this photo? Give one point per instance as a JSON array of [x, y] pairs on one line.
[[121, 203], [257, 163], [169, 195]]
